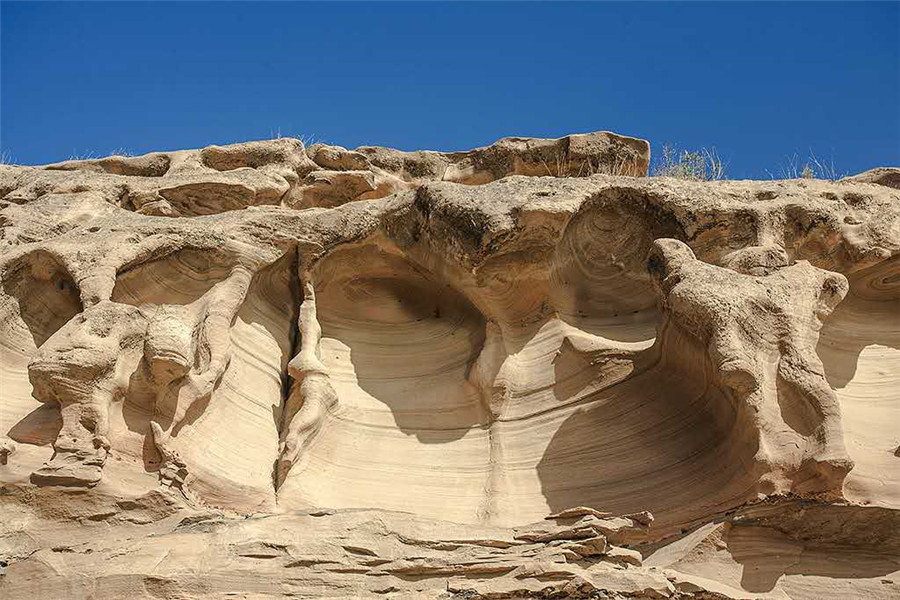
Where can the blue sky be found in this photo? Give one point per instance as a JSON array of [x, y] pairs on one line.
[[759, 81]]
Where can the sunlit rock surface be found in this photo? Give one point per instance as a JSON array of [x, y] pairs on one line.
[[525, 370]]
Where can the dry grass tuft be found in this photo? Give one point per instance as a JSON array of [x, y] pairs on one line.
[[561, 166], [811, 168], [87, 155]]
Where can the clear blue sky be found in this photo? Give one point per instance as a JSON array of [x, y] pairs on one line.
[[757, 80]]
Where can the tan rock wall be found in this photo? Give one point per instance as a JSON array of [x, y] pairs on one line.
[[525, 370]]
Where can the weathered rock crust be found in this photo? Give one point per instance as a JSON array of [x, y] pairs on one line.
[[525, 370]]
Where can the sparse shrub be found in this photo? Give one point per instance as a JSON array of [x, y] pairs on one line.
[[812, 168], [306, 139], [87, 155], [699, 165]]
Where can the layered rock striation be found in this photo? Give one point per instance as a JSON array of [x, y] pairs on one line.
[[526, 370]]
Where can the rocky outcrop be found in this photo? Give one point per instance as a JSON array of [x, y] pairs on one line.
[[282, 172], [889, 176], [525, 370]]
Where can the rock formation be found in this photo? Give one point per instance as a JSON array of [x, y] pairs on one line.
[[522, 371]]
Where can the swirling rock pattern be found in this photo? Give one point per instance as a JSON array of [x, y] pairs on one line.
[[525, 370]]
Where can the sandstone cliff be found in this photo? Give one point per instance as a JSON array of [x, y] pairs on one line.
[[526, 370]]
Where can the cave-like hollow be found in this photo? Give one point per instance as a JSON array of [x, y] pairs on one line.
[[415, 365]]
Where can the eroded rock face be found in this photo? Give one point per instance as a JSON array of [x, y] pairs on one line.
[[525, 370]]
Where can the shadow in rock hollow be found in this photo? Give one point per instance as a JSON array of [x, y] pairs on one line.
[[856, 324], [833, 541], [39, 427], [45, 292], [656, 442], [405, 339]]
